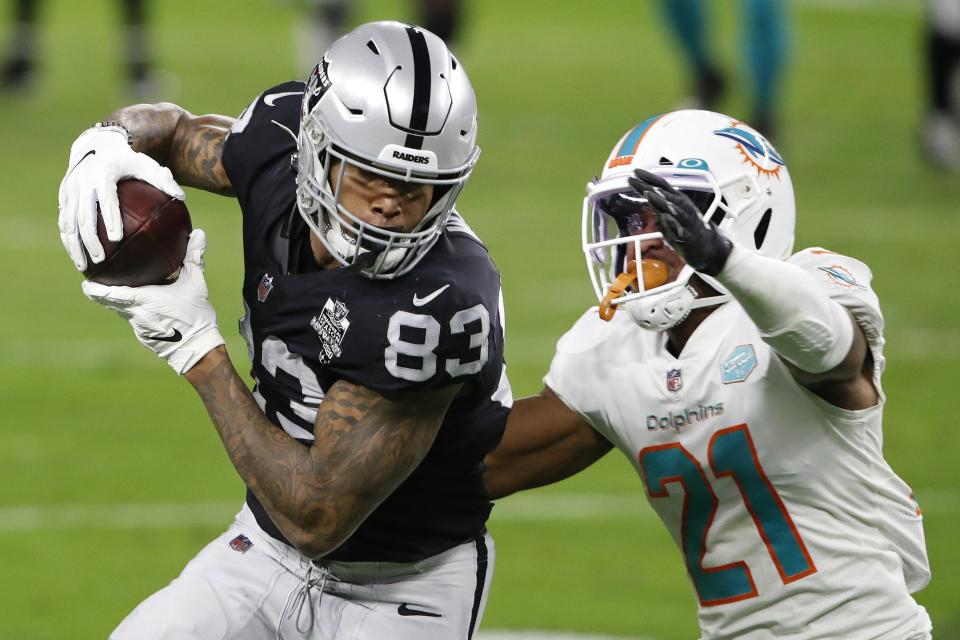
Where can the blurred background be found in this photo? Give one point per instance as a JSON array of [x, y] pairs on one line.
[[111, 476]]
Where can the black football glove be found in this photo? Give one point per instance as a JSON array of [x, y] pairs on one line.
[[702, 245]]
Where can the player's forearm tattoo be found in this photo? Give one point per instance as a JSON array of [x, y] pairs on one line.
[[191, 147], [365, 446], [151, 127], [195, 157]]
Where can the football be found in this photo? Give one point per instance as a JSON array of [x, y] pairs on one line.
[[156, 228]]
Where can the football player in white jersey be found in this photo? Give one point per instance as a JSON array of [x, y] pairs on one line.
[[742, 381]]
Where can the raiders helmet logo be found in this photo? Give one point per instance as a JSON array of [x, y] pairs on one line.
[[317, 85], [411, 157]]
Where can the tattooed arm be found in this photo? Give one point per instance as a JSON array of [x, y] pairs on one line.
[[190, 146], [366, 445]]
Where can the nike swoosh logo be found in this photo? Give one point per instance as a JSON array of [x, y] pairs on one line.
[[419, 302], [404, 610], [270, 98], [92, 152], [175, 337]]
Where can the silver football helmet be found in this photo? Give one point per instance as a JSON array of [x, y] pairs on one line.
[[391, 99], [730, 171]]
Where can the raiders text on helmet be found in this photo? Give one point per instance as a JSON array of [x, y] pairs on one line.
[[391, 99]]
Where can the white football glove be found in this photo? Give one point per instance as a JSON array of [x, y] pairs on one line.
[[175, 321], [99, 158]]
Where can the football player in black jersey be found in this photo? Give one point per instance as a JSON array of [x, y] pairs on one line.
[[374, 326]]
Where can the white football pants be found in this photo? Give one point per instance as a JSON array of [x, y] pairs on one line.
[[247, 586]]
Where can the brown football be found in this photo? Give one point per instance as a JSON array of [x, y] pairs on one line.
[[156, 228]]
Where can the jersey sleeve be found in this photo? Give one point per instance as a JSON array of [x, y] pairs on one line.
[[256, 140], [577, 367], [847, 281]]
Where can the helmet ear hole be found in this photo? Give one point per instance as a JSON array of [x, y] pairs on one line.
[[760, 233]]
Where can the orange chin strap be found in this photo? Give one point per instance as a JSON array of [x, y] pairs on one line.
[[654, 275], [624, 280]]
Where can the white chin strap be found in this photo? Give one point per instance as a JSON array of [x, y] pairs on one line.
[[345, 246], [665, 310]]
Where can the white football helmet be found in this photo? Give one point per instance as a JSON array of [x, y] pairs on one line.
[[391, 99], [732, 173]]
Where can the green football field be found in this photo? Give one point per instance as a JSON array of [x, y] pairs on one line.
[[111, 476]]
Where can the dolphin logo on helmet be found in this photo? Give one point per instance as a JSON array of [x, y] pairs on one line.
[[755, 149], [691, 149]]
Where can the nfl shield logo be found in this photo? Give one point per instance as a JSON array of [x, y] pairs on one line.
[[266, 286], [241, 543], [674, 380]]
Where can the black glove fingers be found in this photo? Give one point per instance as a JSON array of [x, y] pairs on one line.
[[666, 213], [701, 244], [639, 185], [674, 234], [686, 210], [656, 199], [659, 185], [652, 179]]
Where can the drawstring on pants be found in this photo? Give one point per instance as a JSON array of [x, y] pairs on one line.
[[301, 597]]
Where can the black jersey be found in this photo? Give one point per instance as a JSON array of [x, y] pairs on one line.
[[306, 328]]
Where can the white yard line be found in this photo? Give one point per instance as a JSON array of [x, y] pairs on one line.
[[117, 516], [548, 635], [865, 6], [521, 508], [84, 354]]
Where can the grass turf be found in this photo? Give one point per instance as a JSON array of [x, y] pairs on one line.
[[89, 418]]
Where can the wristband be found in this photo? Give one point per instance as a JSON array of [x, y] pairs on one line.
[[114, 125]]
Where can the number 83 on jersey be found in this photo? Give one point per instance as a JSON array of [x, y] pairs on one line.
[[414, 337]]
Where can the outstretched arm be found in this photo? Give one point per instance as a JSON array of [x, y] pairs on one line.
[[544, 442], [822, 345], [190, 146], [817, 337], [366, 445]]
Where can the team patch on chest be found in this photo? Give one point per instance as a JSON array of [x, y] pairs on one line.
[[738, 366], [331, 326]]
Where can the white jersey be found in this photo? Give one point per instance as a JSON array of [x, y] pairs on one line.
[[790, 521]]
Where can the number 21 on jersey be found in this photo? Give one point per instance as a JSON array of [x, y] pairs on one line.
[[731, 454]]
